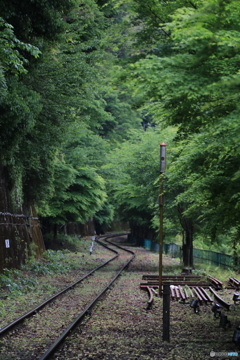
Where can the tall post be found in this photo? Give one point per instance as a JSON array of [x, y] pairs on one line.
[[161, 201], [166, 311]]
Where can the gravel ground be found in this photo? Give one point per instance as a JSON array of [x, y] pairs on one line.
[[121, 327], [30, 339]]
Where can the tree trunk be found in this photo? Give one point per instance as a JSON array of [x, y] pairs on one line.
[[236, 238], [187, 248]]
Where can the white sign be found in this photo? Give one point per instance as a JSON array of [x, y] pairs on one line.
[[93, 238], [7, 243]]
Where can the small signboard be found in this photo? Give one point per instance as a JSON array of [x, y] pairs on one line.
[[7, 243]]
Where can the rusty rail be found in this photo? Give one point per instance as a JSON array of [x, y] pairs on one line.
[[53, 297], [199, 295], [82, 315], [180, 293], [173, 277], [209, 299], [150, 293], [202, 295], [85, 312], [215, 282], [176, 283], [235, 283], [219, 300]]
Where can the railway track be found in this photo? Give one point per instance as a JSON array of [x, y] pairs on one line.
[[234, 283], [187, 287], [46, 326]]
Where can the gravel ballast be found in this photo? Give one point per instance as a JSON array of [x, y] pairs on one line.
[[121, 327]]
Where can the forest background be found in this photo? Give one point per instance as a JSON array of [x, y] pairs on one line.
[[88, 91]]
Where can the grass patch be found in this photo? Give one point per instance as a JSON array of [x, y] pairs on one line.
[[52, 262], [215, 271], [15, 282], [65, 242]]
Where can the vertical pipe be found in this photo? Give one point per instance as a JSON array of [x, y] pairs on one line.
[[166, 311], [160, 236], [162, 169]]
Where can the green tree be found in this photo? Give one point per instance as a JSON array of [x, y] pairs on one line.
[[195, 86], [37, 19], [133, 176], [207, 167], [79, 189], [22, 106]]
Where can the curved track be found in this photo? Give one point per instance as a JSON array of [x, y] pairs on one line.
[[65, 309], [35, 310]]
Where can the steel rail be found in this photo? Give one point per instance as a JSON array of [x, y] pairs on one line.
[[176, 283], [150, 301], [173, 277], [120, 247], [220, 301], [85, 312], [47, 301], [215, 282], [235, 283], [209, 299]]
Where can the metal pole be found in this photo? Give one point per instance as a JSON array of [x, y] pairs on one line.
[[162, 169], [166, 311]]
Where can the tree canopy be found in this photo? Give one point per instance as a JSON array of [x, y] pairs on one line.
[[192, 81], [80, 82]]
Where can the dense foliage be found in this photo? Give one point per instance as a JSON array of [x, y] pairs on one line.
[[78, 79], [192, 81], [60, 111]]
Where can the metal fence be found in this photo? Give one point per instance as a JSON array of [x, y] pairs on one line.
[[199, 256], [172, 249], [213, 258]]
